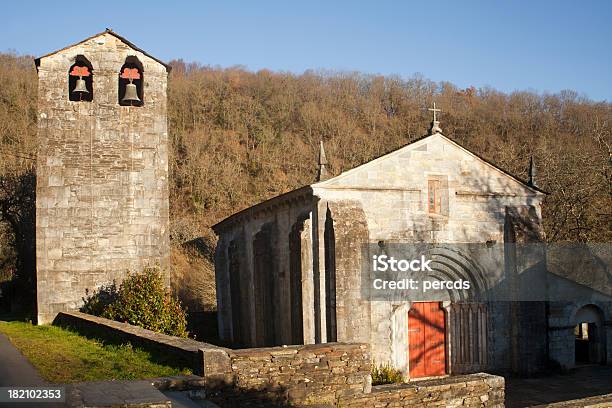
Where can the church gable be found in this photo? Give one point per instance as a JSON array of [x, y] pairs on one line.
[[104, 42], [432, 158]]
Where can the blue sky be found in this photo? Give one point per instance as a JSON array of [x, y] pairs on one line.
[[544, 46]]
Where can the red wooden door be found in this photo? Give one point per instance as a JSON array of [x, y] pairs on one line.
[[426, 340], [416, 341]]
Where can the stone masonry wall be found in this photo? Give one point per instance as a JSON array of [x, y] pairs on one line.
[[319, 375], [297, 375], [599, 401], [102, 176], [474, 390]]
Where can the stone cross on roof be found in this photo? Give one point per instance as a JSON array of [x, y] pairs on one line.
[[435, 124], [434, 110]]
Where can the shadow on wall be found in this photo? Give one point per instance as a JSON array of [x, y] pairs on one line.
[[18, 235], [203, 326]]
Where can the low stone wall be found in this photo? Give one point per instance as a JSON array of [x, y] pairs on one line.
[[322, 375], [186, 351], [296, 375], [472, 390], [274, 376], [600, 401]]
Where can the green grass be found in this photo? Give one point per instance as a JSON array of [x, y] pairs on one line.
[[63, 356]]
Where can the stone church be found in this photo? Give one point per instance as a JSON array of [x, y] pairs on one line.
[[102, 168], [289, 269]]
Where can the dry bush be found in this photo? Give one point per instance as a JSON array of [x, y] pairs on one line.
[[193, 279], [18, 89], [247, 136]]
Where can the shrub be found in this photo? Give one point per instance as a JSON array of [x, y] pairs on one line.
[[385, 374], [142, 300], [100, 300]]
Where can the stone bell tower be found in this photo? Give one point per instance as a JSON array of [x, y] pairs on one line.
[[102, 168]]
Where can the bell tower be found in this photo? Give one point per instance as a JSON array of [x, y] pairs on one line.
[[102, 169]]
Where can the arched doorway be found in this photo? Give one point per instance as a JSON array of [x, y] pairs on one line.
[[589, 334]]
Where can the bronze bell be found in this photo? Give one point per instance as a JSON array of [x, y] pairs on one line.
[[80, 86], [131, 93]]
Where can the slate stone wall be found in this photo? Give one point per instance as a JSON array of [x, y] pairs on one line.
[[297, 375], [317, 375], [474, 390], [598, 401], [102, 176]]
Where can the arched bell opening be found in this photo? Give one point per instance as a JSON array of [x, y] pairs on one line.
[[131, 83], [80, 80]]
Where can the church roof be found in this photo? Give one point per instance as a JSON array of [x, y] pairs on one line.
[[307, 189], [114, 34], [298, 192]]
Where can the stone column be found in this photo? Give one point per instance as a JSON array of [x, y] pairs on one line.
[[353, 313], [318, 251], [449, 336], [399, 337], [308, 285]]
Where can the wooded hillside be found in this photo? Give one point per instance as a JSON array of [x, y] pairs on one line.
[[238, 137]]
